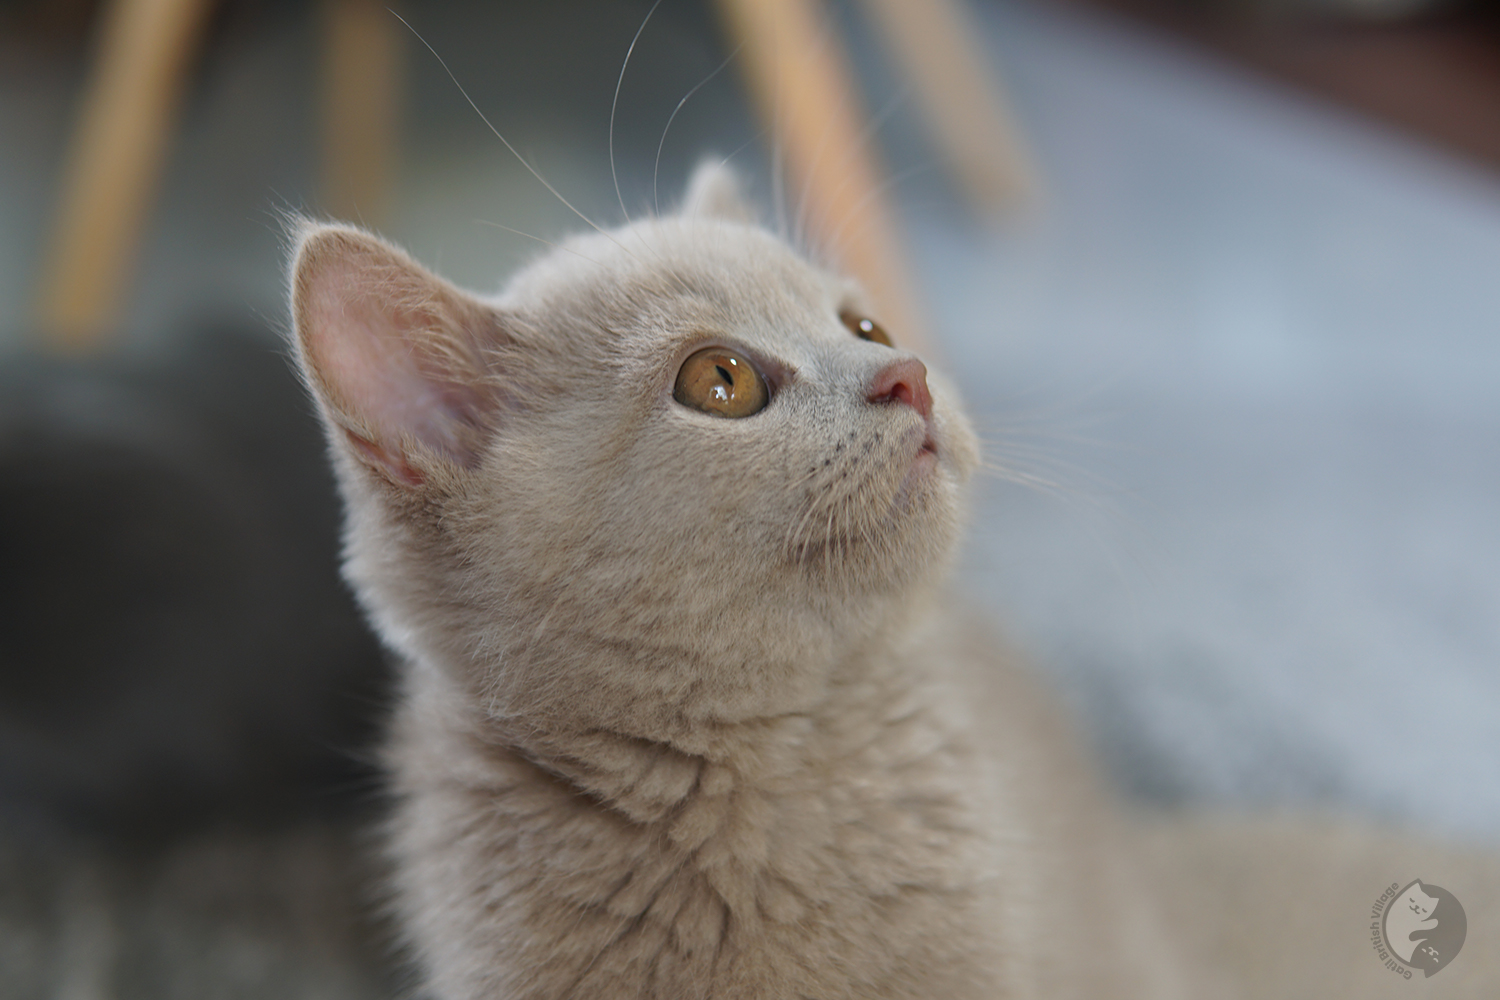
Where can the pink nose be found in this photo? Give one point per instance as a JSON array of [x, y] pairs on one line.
[[903, 382]]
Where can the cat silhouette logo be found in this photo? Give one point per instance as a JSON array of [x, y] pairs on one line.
[[1419, 927]]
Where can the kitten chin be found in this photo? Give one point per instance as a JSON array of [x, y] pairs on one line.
[[658, 533]]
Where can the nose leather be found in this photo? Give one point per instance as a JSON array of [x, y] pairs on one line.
[[903, 381]]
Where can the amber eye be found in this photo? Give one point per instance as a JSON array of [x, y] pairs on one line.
[[720, 382], [865, 328]]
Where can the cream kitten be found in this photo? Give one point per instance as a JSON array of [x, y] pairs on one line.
[[657, 534]]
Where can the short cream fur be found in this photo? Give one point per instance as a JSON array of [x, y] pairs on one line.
[[684, 712]]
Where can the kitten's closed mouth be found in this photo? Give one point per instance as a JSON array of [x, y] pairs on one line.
[[925, 459], [929, 439], [923, 465]]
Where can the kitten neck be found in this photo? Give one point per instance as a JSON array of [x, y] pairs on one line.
[[652, 768], [780, 840]]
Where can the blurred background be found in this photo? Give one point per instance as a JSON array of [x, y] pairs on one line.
[[1232, 333]]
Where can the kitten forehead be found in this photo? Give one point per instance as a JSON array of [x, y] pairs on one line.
[[664, 271]]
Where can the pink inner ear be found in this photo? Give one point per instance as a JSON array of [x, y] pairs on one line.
[[392, 462], [385, 345]]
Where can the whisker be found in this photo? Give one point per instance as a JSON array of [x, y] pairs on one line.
[[529, 236], [616, 103], [1091, 503], [656, 170], [1040, 428], [836, 240], [555, 193], [778, 149], [872, 128], [744, 145], [798, 544], [1011, 474], [809, 171], [1023, 450], [1094, 494], [1061, 473]]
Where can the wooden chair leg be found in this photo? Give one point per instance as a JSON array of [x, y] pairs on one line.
[[961, 101], [804, 90], [113, 165], [361, 108]]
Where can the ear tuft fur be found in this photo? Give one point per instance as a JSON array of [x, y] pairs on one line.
[[395, 354], [714, 193]]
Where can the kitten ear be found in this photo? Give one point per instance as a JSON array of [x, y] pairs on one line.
[[395, 354], [714, 193]]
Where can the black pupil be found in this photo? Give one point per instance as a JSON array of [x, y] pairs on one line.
[[724, 374], [865, 326]]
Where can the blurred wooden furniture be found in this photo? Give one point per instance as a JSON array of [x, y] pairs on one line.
[[124, 132], [801, 83], [962, 103], [361, 108], [113, 165], [794, 66]]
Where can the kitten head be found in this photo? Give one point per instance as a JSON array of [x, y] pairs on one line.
[[669, 475]]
